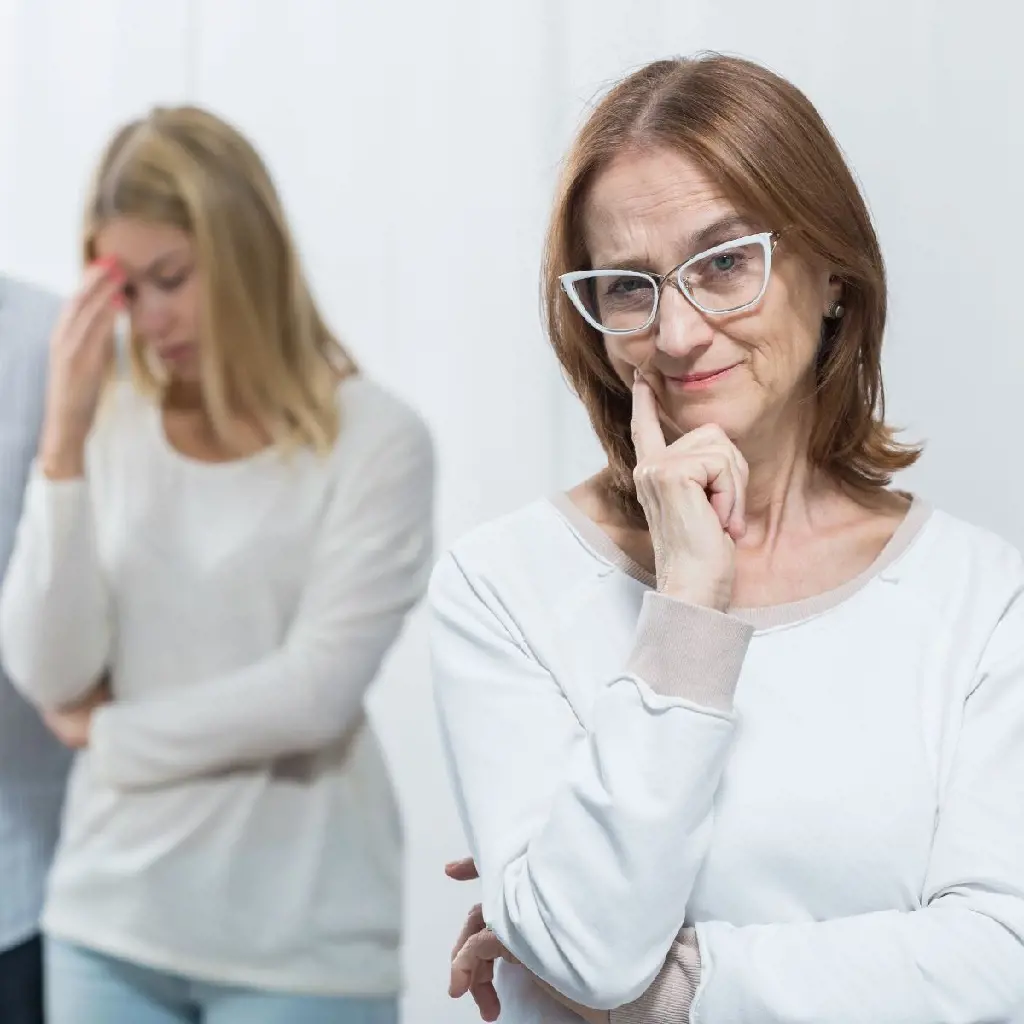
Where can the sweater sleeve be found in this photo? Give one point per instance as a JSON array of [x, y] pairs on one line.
[[572, 827], [670, 997], [370, 567], [56, 620], [959, 957]]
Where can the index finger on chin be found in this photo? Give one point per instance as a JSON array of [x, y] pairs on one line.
[[645, 424]]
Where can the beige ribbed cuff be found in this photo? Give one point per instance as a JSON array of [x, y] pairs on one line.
[[683, 650], [670, 996]]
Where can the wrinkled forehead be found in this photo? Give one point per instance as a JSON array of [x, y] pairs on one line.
[[657, 207]]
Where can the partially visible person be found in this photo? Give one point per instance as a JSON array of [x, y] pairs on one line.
[[33, 765], [736, 726], [216, 553]]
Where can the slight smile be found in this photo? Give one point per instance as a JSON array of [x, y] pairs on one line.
[[696, 381]]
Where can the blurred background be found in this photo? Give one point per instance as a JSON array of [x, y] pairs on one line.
[[416, 145]]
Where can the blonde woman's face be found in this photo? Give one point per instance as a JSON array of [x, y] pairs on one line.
[[161, 290]]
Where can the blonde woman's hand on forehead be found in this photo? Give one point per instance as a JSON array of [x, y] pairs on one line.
[[692, 492], [81, 350]]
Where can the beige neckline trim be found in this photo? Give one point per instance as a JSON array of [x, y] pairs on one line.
[[767, 616]]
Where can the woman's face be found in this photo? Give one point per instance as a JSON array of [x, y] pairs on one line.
[[747, 372], [161, 290]]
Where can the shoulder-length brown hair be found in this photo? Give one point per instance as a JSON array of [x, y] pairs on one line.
[[767, 146]]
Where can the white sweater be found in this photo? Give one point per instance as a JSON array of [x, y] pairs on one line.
[[831, 792], [232, 818]]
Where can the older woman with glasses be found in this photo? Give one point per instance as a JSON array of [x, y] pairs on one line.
[[736, 728]]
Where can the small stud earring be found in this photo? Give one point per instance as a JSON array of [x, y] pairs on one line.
[[835, 311]]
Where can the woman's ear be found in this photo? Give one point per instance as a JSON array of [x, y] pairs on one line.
[[835, 293]]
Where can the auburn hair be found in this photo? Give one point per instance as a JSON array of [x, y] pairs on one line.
[[763, 142]]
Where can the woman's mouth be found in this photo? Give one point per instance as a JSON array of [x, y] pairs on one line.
[[174, 353], [698, 379]]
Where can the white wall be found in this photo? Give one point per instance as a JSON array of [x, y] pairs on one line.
[[416, 145]]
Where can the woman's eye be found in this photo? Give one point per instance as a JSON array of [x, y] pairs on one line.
[[168, 284], [629, 284]]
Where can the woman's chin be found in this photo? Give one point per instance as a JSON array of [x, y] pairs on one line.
[[684, 420]]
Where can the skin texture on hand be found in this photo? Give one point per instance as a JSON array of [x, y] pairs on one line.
[[72, 725], [692, 492], [81, 351], [475, 952]]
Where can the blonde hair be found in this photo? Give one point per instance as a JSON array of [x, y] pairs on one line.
[[764, 142], [266, 351]]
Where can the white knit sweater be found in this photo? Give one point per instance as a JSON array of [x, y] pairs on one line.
[[232, 818], [812, 814]]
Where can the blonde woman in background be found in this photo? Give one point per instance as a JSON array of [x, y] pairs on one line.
[[233, 539]]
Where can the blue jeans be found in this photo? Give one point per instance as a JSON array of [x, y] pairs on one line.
[[84, 987]]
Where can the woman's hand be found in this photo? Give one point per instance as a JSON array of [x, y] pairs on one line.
[[81, 350], [474, 955], [473, 958], [73, 725], [692, 492]]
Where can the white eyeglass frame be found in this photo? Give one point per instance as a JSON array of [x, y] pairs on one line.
[[766, 239]]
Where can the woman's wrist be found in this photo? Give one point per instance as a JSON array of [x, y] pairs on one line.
[[716, 596], [61, 454], [705, 586]]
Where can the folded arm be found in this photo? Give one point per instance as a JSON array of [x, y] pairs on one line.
[[369, 568], [56, 621], [588, 841], [958, 958]]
